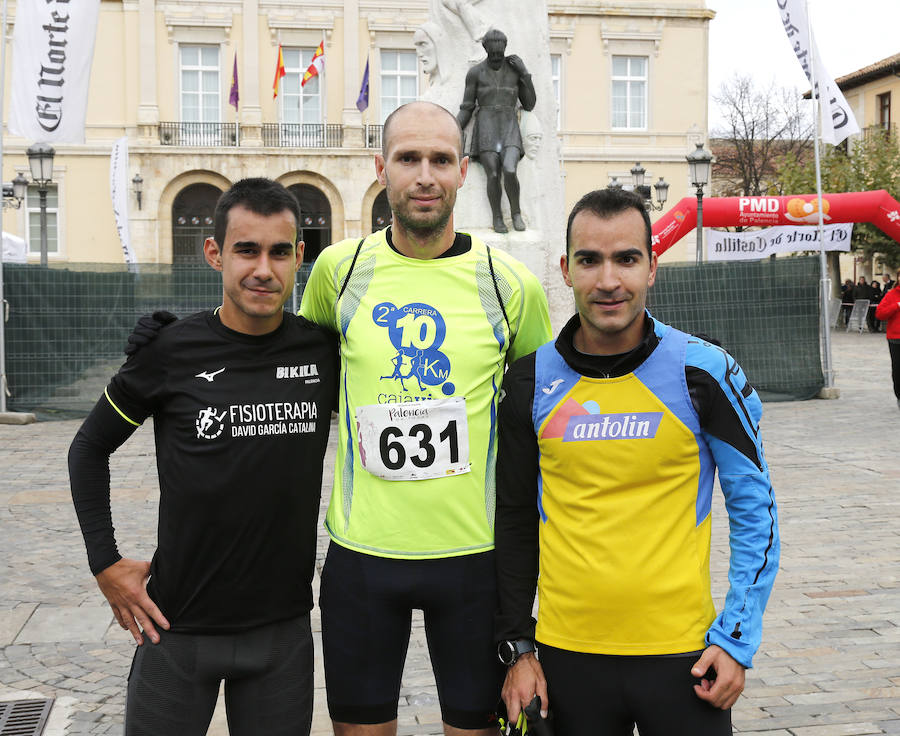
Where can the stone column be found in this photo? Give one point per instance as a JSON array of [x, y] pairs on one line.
[[248, 77], [351, 118], [148, 109]]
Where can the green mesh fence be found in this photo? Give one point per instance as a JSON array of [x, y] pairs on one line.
[[67, 326], [765, 313]]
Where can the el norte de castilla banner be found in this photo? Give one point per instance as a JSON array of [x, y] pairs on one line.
[[53, 46], [747, 246]]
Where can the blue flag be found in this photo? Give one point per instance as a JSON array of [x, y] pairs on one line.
[[362, 102]]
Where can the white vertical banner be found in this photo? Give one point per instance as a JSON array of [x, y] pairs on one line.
[[53, 46], [837, 119], [118, 188]]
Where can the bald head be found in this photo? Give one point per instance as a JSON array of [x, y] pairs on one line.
[[428, 114]]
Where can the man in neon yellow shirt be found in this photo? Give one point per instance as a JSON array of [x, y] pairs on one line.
[[427, 320]]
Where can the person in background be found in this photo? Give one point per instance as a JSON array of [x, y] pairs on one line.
[[889, 311], [846, 301], [875, 288]]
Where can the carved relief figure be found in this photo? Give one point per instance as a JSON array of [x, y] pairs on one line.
[[425, 39], [532, 135], [474, 21]]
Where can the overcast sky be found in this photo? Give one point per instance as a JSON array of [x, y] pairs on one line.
[[747, 37]]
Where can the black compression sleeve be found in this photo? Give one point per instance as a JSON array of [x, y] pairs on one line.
[[100, 435], [516, 522]]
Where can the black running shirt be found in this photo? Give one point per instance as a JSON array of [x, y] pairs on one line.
[[241, 425]]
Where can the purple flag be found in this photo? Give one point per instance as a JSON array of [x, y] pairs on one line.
[[233, 97], [362, 102]]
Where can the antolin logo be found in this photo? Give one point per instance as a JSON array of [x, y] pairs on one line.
[[590, 427]]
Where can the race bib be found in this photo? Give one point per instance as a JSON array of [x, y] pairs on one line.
[[414, 440]]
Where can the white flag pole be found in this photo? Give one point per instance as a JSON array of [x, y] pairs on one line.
[[2, 302], [824, 281]]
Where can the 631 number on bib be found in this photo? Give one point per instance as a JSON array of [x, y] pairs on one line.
[[415, 440]]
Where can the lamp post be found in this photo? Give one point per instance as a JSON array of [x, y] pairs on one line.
[[138, 183], [40, 159], [699, 163], [661, 187], [14, 192], [12, 195]]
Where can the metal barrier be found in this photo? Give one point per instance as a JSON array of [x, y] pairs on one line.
[[834, 311], [857, 318], [68, 324]]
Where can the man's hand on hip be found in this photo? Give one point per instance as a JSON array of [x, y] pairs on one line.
[[124, 585], [723, 690], [524, 680]]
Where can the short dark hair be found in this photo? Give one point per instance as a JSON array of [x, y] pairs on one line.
[[385, 129], [605, 203], [493, 36], [259, 195]]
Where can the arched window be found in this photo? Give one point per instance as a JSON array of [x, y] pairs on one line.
[[192, 222], [381, 211], [315, 220]]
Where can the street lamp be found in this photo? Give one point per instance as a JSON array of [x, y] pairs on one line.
[[699, 163], [40, 159], [661, 187], [14, 192], [138, 183]]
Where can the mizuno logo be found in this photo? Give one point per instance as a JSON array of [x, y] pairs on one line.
[[549, 390], [209, 376]]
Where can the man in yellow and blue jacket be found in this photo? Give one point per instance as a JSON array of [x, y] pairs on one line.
[[610, 438]]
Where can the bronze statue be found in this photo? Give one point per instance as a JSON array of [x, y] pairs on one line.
[[496, 85]]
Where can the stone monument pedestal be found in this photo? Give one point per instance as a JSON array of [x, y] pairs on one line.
[[526, 246]]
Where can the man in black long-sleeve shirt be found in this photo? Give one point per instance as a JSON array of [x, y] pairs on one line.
[[241, 399]]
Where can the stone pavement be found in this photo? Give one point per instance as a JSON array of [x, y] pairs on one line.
[[830, 659]]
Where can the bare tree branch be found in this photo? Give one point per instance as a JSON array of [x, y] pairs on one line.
[[762, 127]]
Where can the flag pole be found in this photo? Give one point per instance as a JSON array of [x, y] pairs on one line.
[[2, 301], [824, 281]]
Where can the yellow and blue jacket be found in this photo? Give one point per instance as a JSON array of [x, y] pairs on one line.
[[607, 465]]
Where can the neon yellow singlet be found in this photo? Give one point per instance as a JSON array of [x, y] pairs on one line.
[[416, 334]]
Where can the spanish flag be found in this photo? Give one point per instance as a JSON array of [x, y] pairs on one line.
[[317, 65], [279, 73]]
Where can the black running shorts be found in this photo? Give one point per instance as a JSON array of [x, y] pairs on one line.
[[593, 694], [367, 604], [268, 673]]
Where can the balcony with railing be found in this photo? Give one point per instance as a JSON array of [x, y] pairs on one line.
[[198, 134], [883, 129], [373, 136], [303, 135]]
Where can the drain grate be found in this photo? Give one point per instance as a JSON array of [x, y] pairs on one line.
[[24, 717]]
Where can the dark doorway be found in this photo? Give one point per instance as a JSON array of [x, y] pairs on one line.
[[192, 222], [381, 212], [315, 220]]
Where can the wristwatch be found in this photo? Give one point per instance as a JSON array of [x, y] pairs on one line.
[[510, 650]]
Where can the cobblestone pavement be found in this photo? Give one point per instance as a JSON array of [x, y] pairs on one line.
[[830, 659]]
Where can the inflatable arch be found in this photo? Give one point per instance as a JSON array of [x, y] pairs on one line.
[[878, 208]]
